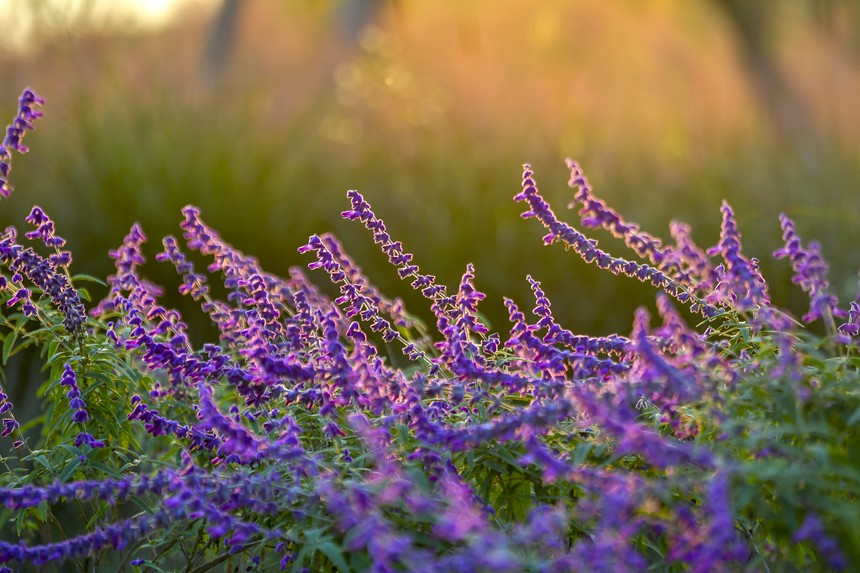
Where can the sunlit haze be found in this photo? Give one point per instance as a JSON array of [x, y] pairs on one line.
[[25, 20]]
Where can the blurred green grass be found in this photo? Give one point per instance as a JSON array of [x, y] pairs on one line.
[[130, 135]]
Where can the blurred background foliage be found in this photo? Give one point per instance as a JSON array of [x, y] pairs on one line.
[[263, 113]]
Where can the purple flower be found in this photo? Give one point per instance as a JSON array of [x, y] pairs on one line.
[[22, 295], [15, 134], [85, 438], [587, 248], [9, 426], [44, 274], [44, 228], [696, 267], [76, 402], [813, 531], [740, 283], [810, 272], [595, 213]]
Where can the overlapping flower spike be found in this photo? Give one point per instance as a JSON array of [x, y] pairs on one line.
[[125, 282], [236, 268], [697, 268], [740, 283], [689, 348], [810, 272], [393, 308], [45, 233], [354, 296], [654, 377], [230, 488], [15, 132], [160, 332], [466, 303], [241, 445], [43, 274], [196, 495], [587, 248], [582, 361], [525, 424], [613, 344], [193, 283], [596, 213], [158, 425]]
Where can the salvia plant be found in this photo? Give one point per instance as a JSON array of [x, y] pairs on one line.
[[725, 442]]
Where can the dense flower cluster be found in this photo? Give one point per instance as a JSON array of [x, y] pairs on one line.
[[300, 439]]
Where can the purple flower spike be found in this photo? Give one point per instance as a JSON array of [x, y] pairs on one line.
[[44, 228], [76, 403], [810, 272], [740, 282], [15, 133], [44, 274], [587, 248], [596, 213], [851, 328]]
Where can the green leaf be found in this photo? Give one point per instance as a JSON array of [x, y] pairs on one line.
[[42, 511], [335, 555], [70, 470], [108, 470], [8, 345], [853, 418], [403, 433], [43, 461], [19, 523], [581, 452], [88, 278]]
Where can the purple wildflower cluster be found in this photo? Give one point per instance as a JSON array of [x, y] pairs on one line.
[[534, 449]]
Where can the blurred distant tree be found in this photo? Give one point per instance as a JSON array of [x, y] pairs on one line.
[[221, 39], [350, 17], [353, 16], [753, 23]]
